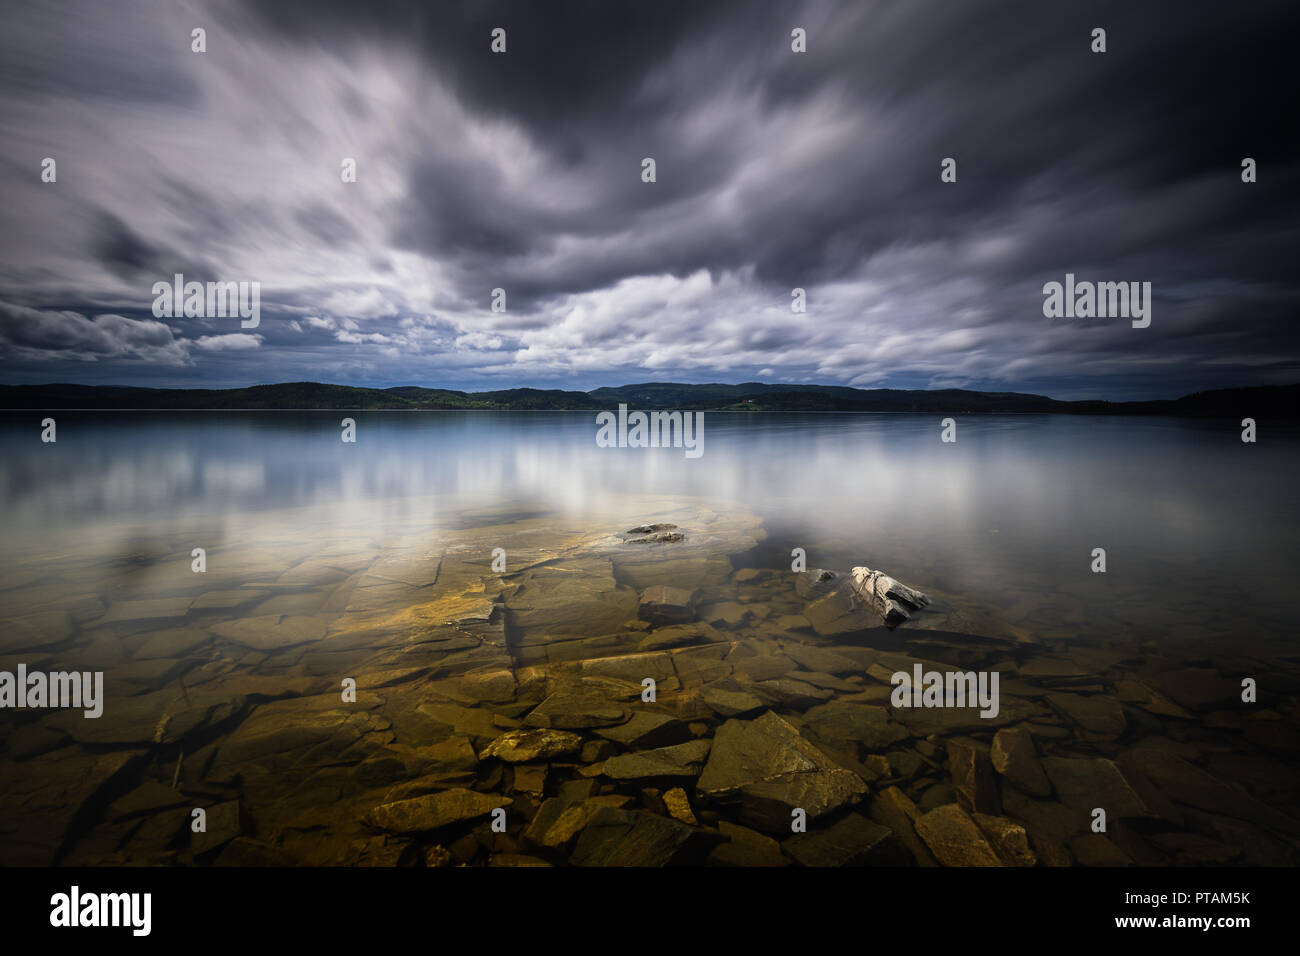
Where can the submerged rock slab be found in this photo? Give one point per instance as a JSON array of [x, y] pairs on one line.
[[631, 667], [923, 721], [32, 740], [972, 776], [150, 797], [1009, 839], [815, 583], [576, 599], [1093, 849], [300, 732], [434, 811], [838, 614], [841, 720], [42, 802], [682, 761], [894, 809], [1198, 688], [1135, 692], [647, 729], [727, 698], [519, 746], [172, 643], [851, 841], [638, 838], [585, 703], [223, 823], [558, 820], [1190, 785], [954, 838], [666, 605], [1098, 717], [766, 767], [746, 847], [272, 632], [1014, 757], [1049, 822], [686, 543], [160, 717], [36, 630], [1083, 784]]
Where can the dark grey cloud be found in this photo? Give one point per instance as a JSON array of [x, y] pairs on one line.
[[122, 251], [1012, 89], [33, 333], [119, 248], [522, 171]]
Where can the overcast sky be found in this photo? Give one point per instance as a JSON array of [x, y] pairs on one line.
[[775, 170]]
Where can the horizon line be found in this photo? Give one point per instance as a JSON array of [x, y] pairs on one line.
[[785, 386]]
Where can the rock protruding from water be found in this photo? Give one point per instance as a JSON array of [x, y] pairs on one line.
[[894, 600], [833, 609], [815, 583], [662, 533]]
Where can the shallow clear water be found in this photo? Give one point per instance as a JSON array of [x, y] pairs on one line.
[[1198, 528]]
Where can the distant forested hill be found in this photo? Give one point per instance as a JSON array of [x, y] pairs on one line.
[[1275, 401]]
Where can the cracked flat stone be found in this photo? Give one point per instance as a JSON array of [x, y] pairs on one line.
[[678, 761], [519, 746], [434, 811], [766, 767]]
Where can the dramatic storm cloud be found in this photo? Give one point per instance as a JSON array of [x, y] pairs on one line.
[[522, 171]]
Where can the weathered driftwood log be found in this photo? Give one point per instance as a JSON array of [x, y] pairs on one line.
[[894, 600]]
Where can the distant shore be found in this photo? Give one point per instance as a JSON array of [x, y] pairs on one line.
[[1278, 401]]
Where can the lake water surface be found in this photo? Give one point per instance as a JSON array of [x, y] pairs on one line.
[[391, 639], [1199, 529]]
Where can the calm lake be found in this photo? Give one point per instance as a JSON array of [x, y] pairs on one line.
[[353, 653], [1198, 528]]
